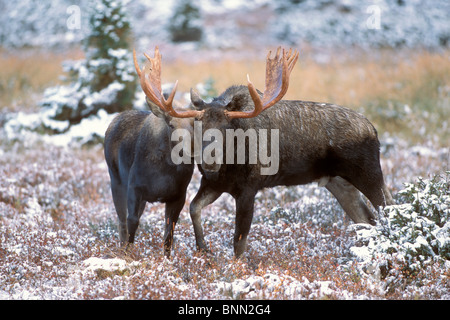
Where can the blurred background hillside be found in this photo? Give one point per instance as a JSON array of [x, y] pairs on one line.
[[234, 24]]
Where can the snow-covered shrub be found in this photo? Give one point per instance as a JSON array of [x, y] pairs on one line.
[[105, 79], [413, 238], [430, 198], [420, 228]]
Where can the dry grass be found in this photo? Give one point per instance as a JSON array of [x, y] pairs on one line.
[[400, 92], [384, 80], [25, 75], [350, 82]]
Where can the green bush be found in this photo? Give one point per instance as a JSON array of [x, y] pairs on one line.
[[420, 228], [413, 236]]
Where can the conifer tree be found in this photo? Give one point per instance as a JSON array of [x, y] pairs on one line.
[[185, 24], [105, 79]]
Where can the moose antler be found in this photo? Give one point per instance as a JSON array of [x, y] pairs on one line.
[[152, 86], [278, 70]]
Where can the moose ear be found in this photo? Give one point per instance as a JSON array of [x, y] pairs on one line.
[[157, 111], [197, 102]]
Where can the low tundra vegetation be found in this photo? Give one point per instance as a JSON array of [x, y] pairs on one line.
[[412, 241], [58, 238]]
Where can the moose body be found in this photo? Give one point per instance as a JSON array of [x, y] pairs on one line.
[[137, 152], [330, 144]]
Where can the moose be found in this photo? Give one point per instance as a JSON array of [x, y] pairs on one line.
[[330, 144], [327, 143], [137, 151]]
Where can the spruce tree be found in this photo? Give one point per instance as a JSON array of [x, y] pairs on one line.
[[105, 79], [185, 24]]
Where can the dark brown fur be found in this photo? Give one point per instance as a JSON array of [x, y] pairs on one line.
[[317, 142], [137, 151]]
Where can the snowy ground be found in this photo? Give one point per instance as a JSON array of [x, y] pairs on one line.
[[58, 237]]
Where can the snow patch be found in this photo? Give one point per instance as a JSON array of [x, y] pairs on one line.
[[23, 127], [270, 286], [93, 264]]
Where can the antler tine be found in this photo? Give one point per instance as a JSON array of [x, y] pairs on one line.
[[278, 70], [276, 55], [136, 65], [145, 85], [152, 86], [292, 59]]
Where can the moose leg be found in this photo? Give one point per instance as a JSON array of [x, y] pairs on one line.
[[136, 207], [244, 216], [204, 197], [371, 184], [388, 200], [119, 194], [350, 200], [173, 210]]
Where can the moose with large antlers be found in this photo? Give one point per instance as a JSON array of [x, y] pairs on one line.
[[137, 151], [327, 143]]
